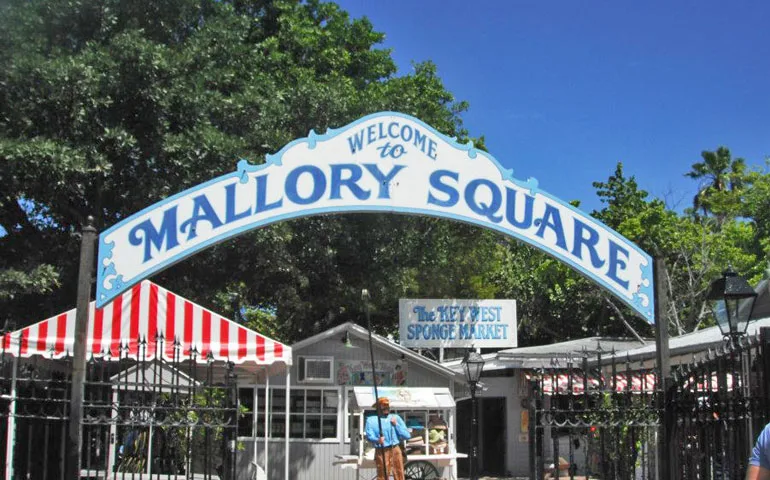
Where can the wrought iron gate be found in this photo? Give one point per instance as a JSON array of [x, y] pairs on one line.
[[142, 419], [596, 415], [717, 406]]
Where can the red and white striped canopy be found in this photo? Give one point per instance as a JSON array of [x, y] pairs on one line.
[[145, 322], [560, 383]]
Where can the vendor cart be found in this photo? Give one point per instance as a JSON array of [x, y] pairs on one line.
[[429, 416]]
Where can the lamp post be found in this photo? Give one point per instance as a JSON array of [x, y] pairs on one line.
[[473, 363], [732, 300]]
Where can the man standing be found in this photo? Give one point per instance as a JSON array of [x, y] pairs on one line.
[[387, 453], [759, 463]]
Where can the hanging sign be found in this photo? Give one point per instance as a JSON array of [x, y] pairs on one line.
[[437, 323], [385, 162]]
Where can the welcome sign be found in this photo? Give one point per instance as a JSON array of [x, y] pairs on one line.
[[434, 323], [385, 162]]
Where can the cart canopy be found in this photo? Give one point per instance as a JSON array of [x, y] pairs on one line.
[[402, 398]]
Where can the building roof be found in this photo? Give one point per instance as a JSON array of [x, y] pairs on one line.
[[691, 342], [362, 334]]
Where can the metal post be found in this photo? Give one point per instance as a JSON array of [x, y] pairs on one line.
[[10, 434], [764, 353], [75, 439], [664, 370], [474, 473], [365, 298]]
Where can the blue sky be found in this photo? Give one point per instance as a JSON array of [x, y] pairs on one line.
[[563, 90]]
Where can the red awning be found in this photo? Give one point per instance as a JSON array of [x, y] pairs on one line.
[[560, 383], [145, 320]]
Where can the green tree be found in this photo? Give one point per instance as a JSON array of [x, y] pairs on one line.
[[722, 179], [109, 106]]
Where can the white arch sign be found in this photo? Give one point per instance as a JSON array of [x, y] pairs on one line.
[[385, 162]]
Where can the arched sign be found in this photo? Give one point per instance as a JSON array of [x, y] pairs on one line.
[[385, 162]]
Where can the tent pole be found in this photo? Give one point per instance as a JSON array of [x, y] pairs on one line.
[[75, 437], [255, 419], [10, 435], [267, 423], [286, 429]]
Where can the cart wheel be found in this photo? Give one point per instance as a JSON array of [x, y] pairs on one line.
[[420, 470]]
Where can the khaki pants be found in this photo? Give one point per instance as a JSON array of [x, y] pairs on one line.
[[390, 456]]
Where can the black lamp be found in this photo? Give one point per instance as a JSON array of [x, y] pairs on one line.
[[473, 363], [732, 300]]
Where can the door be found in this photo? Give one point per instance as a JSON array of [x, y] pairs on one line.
[[492, 435]]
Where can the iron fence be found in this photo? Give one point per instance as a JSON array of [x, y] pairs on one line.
[[596, 415], [142, 419]]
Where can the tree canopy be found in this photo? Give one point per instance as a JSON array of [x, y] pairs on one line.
[[109, 106]]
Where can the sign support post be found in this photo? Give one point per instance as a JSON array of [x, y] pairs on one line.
[[664, 370], [75, 438]]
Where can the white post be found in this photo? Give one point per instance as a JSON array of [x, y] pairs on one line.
[[10, 435], [286, 431], [113, 434], [267, 421], [441, 355], [254, 420]]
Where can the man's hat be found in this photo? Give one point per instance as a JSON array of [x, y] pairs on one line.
[[382, 402]]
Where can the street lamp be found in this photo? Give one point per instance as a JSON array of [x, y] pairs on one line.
[[732, 300], [473, 363]]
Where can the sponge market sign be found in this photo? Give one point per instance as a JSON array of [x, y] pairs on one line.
[[435, 323], [385, 162]]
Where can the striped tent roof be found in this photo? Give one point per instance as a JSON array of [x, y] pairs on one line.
[[146, 322]]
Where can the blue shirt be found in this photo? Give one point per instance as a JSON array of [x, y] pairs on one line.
[[760, 456], [393, 434]]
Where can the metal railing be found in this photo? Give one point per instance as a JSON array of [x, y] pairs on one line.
[[142, 419]]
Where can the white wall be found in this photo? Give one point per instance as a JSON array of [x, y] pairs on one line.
[[516, 452]]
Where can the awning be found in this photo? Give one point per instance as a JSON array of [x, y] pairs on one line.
[[560, 383], [639, 382], [146, 322]]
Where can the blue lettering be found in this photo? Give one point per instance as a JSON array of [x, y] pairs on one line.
[[617, 262], [319, 184], [230, 215], [410, 332], [419, 140], [451, 192], [390, 130], [202, 211], [510, 211], [383, 180], [351, 182], [482, 209], [590, 243], [356, 142], [382, 131], [371, 134], [152, 237], [551, 219], [432, 149], [408, 135], [262, 206]]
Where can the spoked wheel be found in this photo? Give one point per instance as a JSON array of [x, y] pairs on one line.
[[420, 470]]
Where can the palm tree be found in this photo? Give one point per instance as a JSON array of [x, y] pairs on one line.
[[718, 172]]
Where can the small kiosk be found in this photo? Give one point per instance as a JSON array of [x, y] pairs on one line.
[[429, 414]]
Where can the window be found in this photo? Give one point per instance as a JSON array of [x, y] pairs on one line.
[[313, 413], [316, 369]]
